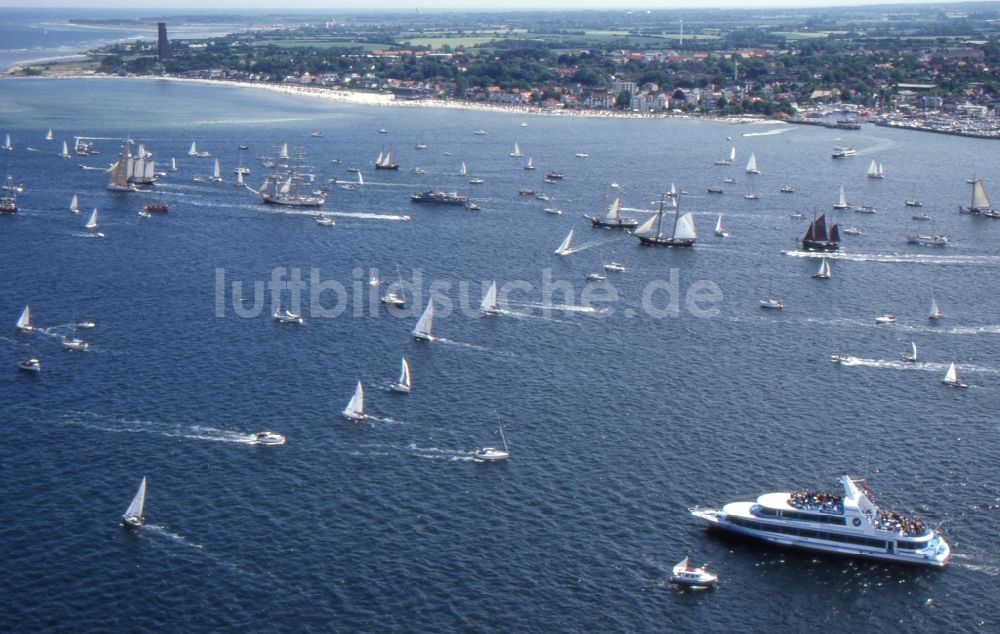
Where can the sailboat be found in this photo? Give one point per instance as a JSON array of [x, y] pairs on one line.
[[730, 160], [463, 171], [817, 238], [7, 144], [239, 179], [673, 191], [935, 310], [951, 377], [876, 170], [682, 235], [283, 153], [493, 454], [118, 174], [771, 302], [173, 165], [64, 153], [719, 230], [489, 303], [980, 204], [824, 270], [355, 409], [752, 165], [133, 517], [384, 162], [842, 201], [194, 151], [24, 321], [216, 173], [564, 248], [74, 205], [912, 357], [403, 384], [49, 136], [517, 150], [422, 331], [613, 219], [530, 165], [92, 223]]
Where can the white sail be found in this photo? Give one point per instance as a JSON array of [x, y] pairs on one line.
[[284, 151], [517, 150], [824, 269], [684, 228], [719, 230], [92, 223], [118, 175], [842, 201], [149, 173], [381, 155], [239, 178], [24, 321], [752, 164], [194, 149], [913, 345], [286, 186], [361, 179], [873, 169], [7, 144], [489, 303], [673, 190], [881, 170], [404, 374], [216, 171], [979, 198], [530, 165], [74, 205], [424, 325], [647, 227], [173, 165], [388, 157], [65, 151], [732, 154], [49, 136], [356, 407], [135, 508], [564, 248], [464, 170], [951, 376], [935, 310], [614, 210]]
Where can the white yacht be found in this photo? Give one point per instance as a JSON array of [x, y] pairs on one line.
[[30, 365], [73, 343], [614, 267], [493, 454], [133, 517], [403, 385], [951, 377], [489, 304], [422, 331], [355, 409], [288, 317], [24, 321], [268, 438], [885, 319], [685, 574], [850, 524]]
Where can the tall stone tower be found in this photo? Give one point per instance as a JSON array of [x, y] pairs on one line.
[[162, 43]]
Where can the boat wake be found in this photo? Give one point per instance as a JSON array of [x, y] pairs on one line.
[[965, 561], [165, 532], [461, 344], [122, 425], [435, 453], [568, 308], [771, 132], [88, 234], [937, 368], [368, 216], [502, 312], [898, 258]]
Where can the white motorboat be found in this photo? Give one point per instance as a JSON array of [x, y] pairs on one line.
[[325, 221], [73, 343], [392, 298], [687, 575], [86, 324], [268, 438], [145, 214], [951, 377], [614, 267], [30, 365], [851, 231], [850, 524], [885, 319], [493, 454], [287, 317], [787, 189], [772, 303], [595, 277], [403, 385], [555, 211], [355, 409], [133, 517]]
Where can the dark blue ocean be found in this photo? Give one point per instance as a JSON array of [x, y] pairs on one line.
[[618, 421]]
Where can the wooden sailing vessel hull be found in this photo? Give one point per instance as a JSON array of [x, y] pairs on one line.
[[820, 245], [664, 242], [623, 223]]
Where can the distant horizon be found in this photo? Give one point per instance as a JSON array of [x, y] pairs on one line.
[[467, 6]]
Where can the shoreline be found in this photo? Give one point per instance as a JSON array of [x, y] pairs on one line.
[[357, 97]]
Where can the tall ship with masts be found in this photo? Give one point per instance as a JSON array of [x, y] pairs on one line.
[[613, 219], [817, 237], [683, 233], [284, 185], [980, 204], [141, 168], [385, 162], [118, 173]]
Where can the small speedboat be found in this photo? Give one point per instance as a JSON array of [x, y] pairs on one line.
[[864, 209], [86, 324], [145, 214], [614, 267], [796, 216], [288, 317], [526, 192], [838, 358], [913, 203], [595, 277], [268, 438], [553, 210], [30, 365], [476, 181], [787, 189], [920, 217], [729, 179], [885, 319], [471, 206], [772, 303], [72, 343], [851, 231], [323, 221], [490, 454], [685, 574], [751, 196], [714, 190]]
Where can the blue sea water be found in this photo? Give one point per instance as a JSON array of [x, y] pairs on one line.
[[618, 422]]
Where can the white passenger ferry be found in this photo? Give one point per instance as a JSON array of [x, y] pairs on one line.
[[850, 524]]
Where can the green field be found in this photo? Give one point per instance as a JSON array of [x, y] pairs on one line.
[[452, 41]]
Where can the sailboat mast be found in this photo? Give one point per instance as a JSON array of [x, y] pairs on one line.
[[659, 216], [677, 214]]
